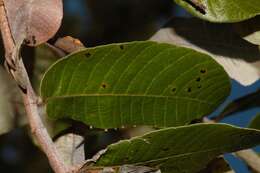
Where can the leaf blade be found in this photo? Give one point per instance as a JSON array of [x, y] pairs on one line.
[[240, 60], [221, 10], [177, 151], [116, 87]]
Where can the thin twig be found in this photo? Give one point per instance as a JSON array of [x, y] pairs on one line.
[[19, 72]]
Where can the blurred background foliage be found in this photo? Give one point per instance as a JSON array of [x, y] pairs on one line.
[[97, 22]]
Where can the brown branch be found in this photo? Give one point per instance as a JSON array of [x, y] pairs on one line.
[[19, 73]]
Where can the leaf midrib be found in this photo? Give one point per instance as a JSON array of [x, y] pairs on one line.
[[127, 95]]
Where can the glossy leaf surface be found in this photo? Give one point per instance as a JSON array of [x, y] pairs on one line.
[[138, 83], [184, 149], [222, 10]]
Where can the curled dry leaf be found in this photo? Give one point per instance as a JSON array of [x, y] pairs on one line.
[[69, 44], [71, 149], [33, 21]]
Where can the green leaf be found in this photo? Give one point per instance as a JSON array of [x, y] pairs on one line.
[[134, 83], [222, 10], [184, 149], [255, 123], [240, 59]]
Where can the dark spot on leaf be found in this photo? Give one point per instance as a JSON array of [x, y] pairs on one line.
[[88, 54], [199, 87], [166, 149], [189, 89], [198, 79], [197, 6], [121, 47], [148, 137], [195, 121], [134, 151], [203, 71], [104, 85], [174, 90]]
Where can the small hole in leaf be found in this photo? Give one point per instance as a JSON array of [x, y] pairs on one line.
[[121, 47], [198, 79], [195, 121], [88, 54], [189, 89], [166, 149], [174, 90], [104, 85], [203, 71]]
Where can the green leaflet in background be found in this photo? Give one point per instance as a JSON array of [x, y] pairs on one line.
[[222, 10]]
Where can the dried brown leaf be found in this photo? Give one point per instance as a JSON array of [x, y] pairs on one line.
[[33, 21], [71, 149], [69, 44]]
